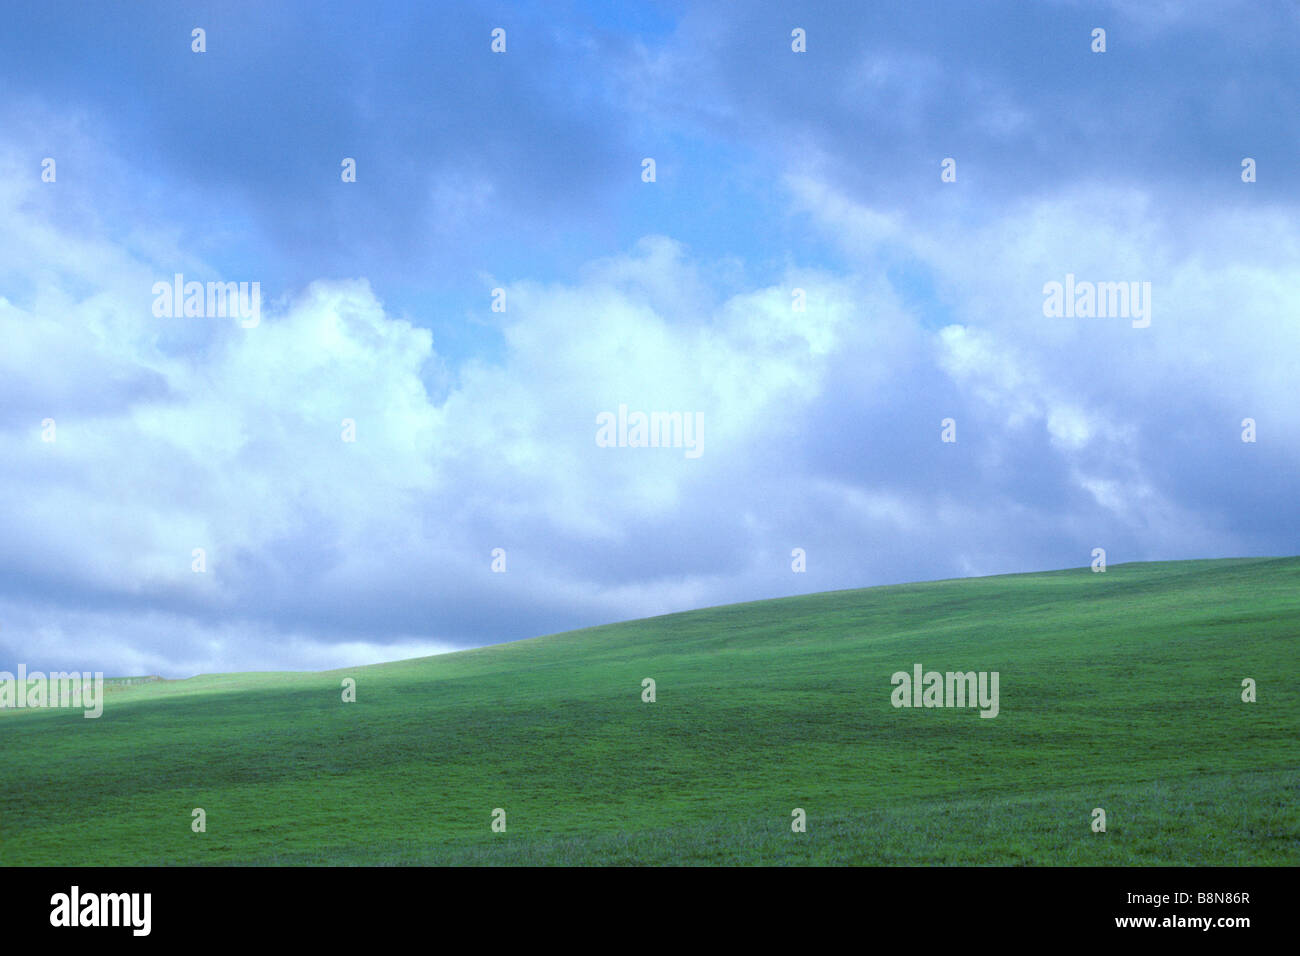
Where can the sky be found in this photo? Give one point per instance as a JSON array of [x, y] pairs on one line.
[[803, 276]]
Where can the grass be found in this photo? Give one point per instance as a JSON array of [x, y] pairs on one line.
[[1119, 690]]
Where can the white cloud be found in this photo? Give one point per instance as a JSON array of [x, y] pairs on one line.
[[229, 439], [820, 430]]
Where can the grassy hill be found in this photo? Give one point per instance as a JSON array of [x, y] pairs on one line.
[[1119, 690]]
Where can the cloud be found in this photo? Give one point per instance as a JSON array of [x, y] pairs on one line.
[[820, 428], [1116, 407], [183, 433]]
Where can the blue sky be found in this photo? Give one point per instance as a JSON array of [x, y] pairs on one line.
[[475, 429]]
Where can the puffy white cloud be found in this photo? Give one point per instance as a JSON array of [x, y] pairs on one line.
[[820, 427], [183, 433]]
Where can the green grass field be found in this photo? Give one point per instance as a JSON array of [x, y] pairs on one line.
[[1119, 690]]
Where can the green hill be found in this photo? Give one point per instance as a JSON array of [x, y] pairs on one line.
[[1120, 690]]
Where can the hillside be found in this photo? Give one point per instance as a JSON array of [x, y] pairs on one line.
[[1119, 690]]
